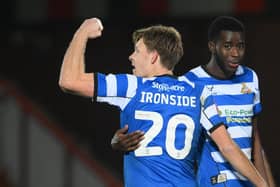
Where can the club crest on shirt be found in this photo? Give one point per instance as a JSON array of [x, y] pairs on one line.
[[245, 89], [212, 89]]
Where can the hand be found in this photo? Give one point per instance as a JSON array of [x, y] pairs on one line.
[[123, 141], [91, 27]]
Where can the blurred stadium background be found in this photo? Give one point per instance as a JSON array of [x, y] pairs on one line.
[[34, 37]]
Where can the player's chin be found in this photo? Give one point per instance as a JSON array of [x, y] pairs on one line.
[[231, 71]]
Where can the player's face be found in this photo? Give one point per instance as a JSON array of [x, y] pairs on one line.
[[229, 51], [141, 60]]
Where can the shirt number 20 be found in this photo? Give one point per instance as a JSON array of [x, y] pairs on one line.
[[173, 122]]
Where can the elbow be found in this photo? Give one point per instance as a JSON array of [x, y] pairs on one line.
[[65, 86], [79, 86], [227, 150]]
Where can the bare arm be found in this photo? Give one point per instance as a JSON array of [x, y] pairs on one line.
[[73, 77], [259, 157], [123, 141], [257, 150], [270, 177], [236, 157]]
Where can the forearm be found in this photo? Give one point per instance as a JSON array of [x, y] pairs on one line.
[[257, 150], [73, 62], [242, 164], [236, 157], [258, 159], [269, 175]]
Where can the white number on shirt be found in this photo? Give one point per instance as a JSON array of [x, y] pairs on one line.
[[173, 122]]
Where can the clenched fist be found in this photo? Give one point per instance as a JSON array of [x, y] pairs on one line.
[[92, 27]]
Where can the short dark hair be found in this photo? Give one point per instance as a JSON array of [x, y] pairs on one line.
[[224, 23]]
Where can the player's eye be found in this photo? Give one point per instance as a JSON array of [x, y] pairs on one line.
[[241, 46], [227, 46]]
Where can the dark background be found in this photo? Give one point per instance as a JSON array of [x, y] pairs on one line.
[[32, 53]]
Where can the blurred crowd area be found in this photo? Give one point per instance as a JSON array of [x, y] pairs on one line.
[[32, 53]]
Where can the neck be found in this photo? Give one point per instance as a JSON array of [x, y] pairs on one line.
[[160, 71], [215, 69]]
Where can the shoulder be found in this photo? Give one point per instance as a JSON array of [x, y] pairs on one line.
[[245, 71], [185, 79], [118, 79], [196, 73]]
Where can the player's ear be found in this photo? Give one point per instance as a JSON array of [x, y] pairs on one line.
[[211, 46], [155, 56]]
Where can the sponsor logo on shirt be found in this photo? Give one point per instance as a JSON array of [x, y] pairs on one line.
[[165, 87], [240, 112], [239, 120], [237, 115]]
